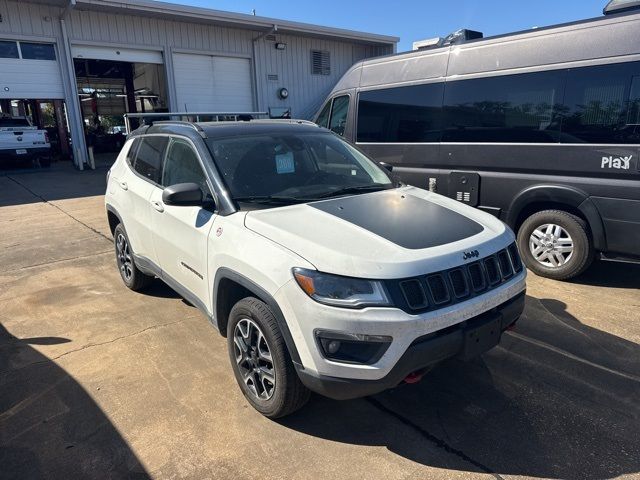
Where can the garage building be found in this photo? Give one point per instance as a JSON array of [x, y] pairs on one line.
[[76, 66]]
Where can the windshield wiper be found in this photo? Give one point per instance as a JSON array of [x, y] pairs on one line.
[[353, 189], [277, 199]]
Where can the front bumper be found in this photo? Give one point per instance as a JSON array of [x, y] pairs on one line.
[[463, 340]]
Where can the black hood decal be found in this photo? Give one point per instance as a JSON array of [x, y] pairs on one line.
[[401, 218]]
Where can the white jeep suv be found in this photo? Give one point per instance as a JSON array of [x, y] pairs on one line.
[[322, 272]]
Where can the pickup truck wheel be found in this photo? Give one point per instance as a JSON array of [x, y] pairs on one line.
[[129, 272], [261, 362], [555, 244]]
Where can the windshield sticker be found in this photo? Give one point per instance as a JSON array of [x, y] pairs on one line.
[[284, 163]]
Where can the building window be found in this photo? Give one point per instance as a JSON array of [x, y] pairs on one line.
[[320, 62], [37, 51], [401, 115], [8, 49]]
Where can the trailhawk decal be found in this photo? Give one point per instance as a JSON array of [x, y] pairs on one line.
[[621, 163]]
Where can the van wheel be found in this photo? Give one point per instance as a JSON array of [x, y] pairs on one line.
[[555, 244], [129, 272], [261, 362]]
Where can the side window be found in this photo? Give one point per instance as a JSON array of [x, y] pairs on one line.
[[403, 114], [339, 112], [510, 108], [600, 103], [323, 117], [149, 157], [131, 154], [182, 166]]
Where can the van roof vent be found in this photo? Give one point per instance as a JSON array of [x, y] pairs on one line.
[[617, 6], [428, 43]]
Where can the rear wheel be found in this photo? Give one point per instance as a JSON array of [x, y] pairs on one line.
[[129, 272], [555, 244], [261, 362]]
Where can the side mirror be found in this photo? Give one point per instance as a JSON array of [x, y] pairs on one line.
[[387, 166], [183, 195]]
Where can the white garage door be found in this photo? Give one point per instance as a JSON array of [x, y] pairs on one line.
[[31, 71], [205, 83]]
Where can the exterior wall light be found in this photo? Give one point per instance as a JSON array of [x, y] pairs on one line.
[[281, 46], [283, 93]]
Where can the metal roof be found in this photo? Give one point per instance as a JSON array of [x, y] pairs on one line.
[[205, 15]]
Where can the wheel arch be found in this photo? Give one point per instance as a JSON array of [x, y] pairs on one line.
[[229, 287], [113, 217], [537, 198]]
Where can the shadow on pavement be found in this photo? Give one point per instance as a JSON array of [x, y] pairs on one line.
[[60, 183], [50, 427], [611, 275], [558, 399]]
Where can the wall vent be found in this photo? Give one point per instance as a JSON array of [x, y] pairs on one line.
[[270, 38], [272, 77], [320, 62]]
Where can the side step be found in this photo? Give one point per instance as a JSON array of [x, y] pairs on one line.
[[612, 257]]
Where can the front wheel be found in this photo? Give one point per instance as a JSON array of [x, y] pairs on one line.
[[261, 362], [555, 244]]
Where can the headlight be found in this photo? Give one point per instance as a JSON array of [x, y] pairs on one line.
[[341, 291]]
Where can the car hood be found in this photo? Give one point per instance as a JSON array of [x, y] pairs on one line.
[[388, 234]]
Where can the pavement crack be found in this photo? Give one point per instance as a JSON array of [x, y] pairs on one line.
[[439, 443], [59, 208], [53, 262]]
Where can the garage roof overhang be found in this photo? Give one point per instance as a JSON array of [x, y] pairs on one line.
[[172, 11]]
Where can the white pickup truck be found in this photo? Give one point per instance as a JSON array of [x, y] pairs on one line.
[[21, 142]]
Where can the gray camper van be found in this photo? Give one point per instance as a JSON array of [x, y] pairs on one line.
[[540, 128]]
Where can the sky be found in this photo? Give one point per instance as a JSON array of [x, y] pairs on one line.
[[416, 19]]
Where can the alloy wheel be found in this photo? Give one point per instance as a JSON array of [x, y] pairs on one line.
[[254, 360], [125, 262], [551, 245]]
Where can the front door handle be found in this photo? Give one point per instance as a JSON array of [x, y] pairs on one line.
[[157, 205], [124, 185]]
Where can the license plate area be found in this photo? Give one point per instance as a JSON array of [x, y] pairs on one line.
[[21, 151], [483, 335]]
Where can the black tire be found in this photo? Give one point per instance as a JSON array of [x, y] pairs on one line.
[[287, 394], [131, 275], [579, 259]]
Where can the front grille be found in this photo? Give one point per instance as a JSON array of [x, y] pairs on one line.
[[457, 284], [438, 289], [414, 294]]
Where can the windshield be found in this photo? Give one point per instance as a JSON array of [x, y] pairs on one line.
[[294, 167]]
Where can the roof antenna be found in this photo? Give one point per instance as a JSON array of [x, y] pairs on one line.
[[253, 12]]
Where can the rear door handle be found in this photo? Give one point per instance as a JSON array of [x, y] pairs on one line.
[[157, 205], [124, 185]]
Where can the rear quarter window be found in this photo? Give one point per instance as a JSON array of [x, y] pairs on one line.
[[148, 159]]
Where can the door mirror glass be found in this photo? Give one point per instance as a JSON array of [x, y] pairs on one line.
[[183, 195]]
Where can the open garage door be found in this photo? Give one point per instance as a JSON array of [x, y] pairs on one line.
[[212, 84]]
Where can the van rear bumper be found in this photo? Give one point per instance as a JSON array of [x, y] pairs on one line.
[[464, 340]]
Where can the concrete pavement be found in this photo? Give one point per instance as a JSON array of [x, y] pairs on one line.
[[100, 382]]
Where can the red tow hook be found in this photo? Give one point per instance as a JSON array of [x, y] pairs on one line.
[[414, 377]]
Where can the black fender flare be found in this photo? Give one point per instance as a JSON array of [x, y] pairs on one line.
[[560, 194], [113, 210], [262, 294]]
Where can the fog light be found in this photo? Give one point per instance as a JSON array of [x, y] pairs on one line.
[[351, 347], [333, 346]]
